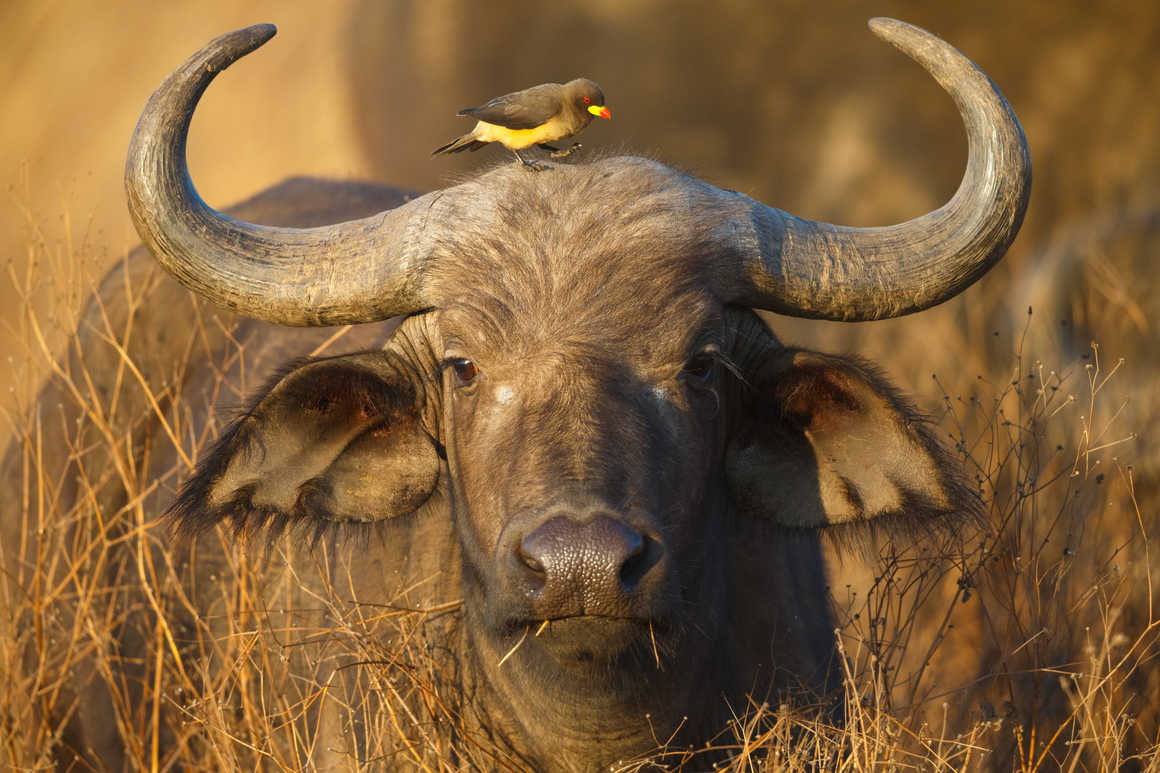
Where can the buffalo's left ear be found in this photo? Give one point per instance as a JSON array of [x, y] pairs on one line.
[[343, 439], [824, 440]]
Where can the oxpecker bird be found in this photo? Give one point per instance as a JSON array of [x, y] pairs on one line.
[[536, 116]]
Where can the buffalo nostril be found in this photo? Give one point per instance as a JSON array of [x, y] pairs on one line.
[[635, 562], [530, 561]]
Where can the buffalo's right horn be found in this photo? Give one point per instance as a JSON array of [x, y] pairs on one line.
[[357, 271]]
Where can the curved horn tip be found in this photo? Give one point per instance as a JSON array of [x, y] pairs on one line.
[[885, 26], [253, 36], [897, 32], [259, 32], [244, 41]]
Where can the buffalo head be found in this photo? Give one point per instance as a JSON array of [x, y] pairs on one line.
[[582, 385]]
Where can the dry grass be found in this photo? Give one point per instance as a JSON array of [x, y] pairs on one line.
[[1030, 645]]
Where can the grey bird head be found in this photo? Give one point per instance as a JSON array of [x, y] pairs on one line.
[[586, 97]]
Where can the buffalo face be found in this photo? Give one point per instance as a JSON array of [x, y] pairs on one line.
[[585, 453]]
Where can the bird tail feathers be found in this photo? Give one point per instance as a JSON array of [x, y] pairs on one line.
[[466, 142]]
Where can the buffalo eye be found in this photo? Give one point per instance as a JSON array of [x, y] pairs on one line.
[[465, 370], [699, 370]]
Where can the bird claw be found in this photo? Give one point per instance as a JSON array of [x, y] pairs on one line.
[[535, 166], [566, 152]]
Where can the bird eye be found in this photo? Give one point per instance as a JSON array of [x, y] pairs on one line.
[[587, 100], [465, 370]]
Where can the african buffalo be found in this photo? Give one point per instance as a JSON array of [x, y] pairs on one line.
[[580, 430]]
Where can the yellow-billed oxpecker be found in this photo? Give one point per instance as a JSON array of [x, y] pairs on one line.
[[535, 116]]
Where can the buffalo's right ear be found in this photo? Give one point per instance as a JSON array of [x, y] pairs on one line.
[[335, 440]]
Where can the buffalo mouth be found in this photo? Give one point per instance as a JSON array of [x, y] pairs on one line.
[[585, 641]]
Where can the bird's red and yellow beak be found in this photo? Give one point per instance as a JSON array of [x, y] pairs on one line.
[[599, 110]]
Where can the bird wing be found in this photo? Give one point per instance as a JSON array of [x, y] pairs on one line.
[[525, 109]]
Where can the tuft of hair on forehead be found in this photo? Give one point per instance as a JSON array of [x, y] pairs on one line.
[[622, 200], [580, 240]]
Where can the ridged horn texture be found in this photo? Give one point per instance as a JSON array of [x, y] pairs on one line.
[[357, 271], [804, 268]]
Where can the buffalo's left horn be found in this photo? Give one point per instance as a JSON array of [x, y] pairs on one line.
[[357, 271], [804, 268]]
